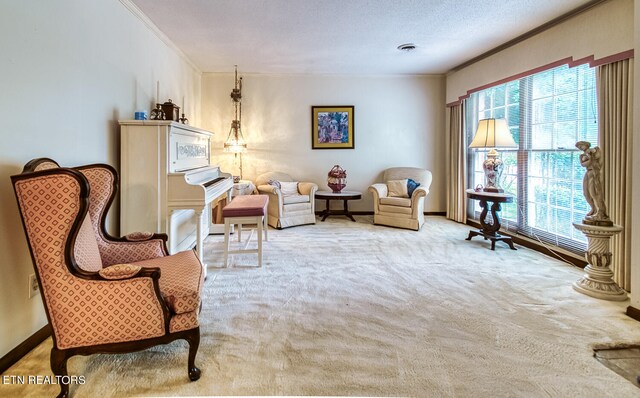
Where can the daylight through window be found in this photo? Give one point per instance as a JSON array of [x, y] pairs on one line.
[[547, 114]]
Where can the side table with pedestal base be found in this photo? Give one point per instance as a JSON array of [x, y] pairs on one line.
[[345, 196], [490, 231]]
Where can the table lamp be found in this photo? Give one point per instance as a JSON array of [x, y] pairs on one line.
[[492, 133]]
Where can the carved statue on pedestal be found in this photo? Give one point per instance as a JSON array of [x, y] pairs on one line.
[[598, 228], [592, 187]]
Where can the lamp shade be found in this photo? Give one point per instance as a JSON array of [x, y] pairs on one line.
[[493, 133]]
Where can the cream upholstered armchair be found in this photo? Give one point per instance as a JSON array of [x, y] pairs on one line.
[[395, 203], [290, 202], [102, 294]]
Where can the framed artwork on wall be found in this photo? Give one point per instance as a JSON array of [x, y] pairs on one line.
[[332, 127]]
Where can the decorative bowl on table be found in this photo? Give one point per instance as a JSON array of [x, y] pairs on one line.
[[337, 179]]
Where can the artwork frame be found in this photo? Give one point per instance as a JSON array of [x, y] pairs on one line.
[[330, 130]]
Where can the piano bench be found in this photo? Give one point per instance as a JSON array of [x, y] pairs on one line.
[[246, 209]]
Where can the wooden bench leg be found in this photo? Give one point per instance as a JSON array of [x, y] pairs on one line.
[[227, 229], [265, 222], [259, 225]]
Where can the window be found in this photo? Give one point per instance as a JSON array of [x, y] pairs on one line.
[[547, 114]]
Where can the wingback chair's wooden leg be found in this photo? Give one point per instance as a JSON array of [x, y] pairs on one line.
[[58, 361], [193, 338]]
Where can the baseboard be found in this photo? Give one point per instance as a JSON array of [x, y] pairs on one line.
[[533, 245], [633, 313], [355, 213], [24, 348], [370, 213]]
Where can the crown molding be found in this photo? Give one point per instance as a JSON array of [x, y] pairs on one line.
[[129, 5]]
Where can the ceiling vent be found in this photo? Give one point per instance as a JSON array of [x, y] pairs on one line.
[[408, 47]]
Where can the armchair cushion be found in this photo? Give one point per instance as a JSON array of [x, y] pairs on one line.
[[289, 188], [398, 188], [295, 199], [180, 281], [411, 186], [119, 271], [403, 202], [138, 236], [395, 209], [86, 251], [296, 208]]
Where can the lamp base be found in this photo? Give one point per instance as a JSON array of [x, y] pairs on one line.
[[492, 167]]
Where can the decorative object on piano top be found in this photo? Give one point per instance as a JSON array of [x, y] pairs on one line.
[[157, 113], [171, 111], [337, 179], [235, 142], [183, 119]]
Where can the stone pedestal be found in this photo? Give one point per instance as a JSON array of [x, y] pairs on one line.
[[598, 278]]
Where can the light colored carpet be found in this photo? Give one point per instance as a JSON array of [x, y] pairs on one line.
[[344, 308]]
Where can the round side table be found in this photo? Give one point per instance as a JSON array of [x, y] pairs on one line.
[[345, 196]]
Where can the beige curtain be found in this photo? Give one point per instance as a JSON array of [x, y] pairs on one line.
[[456, 154], [615, 114]]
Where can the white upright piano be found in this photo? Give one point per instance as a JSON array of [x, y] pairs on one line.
[[168, 184]]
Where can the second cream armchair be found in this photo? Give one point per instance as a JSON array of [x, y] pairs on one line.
[[291, 204], [397, 210]]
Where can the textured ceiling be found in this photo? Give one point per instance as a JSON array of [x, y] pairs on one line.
[[344, 36]]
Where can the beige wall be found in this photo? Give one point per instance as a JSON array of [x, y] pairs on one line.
[[399, 121], [604, 30], [70, 70]]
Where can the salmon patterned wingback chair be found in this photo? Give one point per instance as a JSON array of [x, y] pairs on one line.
[[102, 294]]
